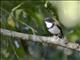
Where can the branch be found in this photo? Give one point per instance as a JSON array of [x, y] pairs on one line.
[[42, 39]]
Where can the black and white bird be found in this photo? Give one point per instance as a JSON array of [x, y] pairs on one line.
[[53, 27]]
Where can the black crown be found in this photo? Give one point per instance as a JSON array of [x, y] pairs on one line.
[[49, 19]]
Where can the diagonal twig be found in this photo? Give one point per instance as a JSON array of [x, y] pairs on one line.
[[42, 39]]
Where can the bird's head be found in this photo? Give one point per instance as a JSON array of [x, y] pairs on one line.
[[49, 22]]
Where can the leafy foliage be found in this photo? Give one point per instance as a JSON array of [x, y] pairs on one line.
[[28, 17]]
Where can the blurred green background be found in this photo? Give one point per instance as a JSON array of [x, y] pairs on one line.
[[28, 17]]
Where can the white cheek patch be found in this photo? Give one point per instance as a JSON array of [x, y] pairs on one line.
[[48, 24]]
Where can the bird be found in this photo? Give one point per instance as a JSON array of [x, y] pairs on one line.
[[54, 28]]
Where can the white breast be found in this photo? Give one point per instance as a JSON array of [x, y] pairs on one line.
[[54, 30]]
